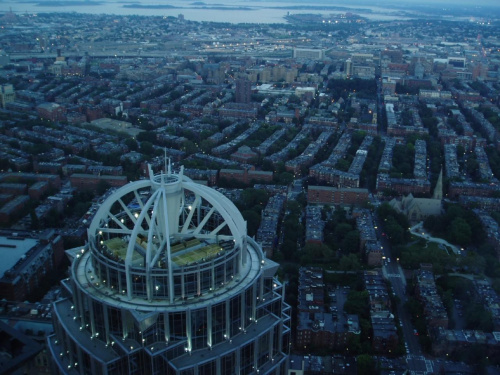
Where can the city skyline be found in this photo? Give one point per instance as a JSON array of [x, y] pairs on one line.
[[206, 198]]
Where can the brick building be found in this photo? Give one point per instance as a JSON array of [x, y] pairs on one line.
[[246, 176], [27, 258], [38, 189], [244, 154], [51, 111], [13, 208], [336, 196], [83, 181]]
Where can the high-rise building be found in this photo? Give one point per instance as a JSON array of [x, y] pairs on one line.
[[7, 94], [348, 68], [265, 75], [4, 59], [243, 91], [170, 283]]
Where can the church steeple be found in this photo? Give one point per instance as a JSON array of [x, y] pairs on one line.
[[438, 190]]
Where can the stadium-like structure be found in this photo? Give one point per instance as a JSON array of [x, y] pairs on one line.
[[170, 283]]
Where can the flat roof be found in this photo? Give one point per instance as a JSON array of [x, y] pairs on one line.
[[118, 125], [332, 188], [12, 249]]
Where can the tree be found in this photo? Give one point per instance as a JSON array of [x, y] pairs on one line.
[[350, 243], [206, 145], [289, 249], [349, 263], [477, 317], [472, 166], [325, 210], [366, 365], [146, 136], [267, 165], [147, 148], [395, 224], [341, 231], [395, 232], [473, 262], [189, 147], [285, 178], [293, 99], [253, 221], [460, 232], [131, 143], [353, 345], [254, 197], [53, 219], [317, 253], [357, 304], [343, 165], [102, 187]]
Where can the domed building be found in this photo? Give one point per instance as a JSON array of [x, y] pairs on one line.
[[170, 283]]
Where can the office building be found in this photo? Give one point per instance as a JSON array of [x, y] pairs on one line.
[[7, 94], [243, 91], [170, 283]]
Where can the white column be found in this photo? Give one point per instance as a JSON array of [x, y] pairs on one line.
[[227, 334], [256, 353], [243, 322], [254, 302], [166, 323], [209, 326], [92, 317], [237, 365]]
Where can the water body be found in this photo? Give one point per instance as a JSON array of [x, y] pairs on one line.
[[214, 11]]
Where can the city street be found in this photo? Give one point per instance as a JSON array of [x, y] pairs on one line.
[[393, 272]]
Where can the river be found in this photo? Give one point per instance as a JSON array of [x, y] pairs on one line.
[[215, 11]]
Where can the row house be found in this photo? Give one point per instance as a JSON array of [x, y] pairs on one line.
[[246, 176]]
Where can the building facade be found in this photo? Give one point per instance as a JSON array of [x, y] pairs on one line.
[[243, 91], [170, 283], [27, 258], [308, 53], [7, 95]]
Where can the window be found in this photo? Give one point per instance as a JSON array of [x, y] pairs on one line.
[[199, 329], [247, 353], [228, 364], [209, 368], [218, 323], [235, 315], [177, 326]]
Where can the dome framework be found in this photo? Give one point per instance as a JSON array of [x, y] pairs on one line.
[[170, 283]]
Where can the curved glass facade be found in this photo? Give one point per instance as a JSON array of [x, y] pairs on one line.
[[169, 283]]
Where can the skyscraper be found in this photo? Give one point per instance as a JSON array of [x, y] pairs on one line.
[[170, 283], [7, 95], [243, 91]]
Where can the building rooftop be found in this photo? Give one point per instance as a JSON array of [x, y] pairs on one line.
[[14, 249]]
